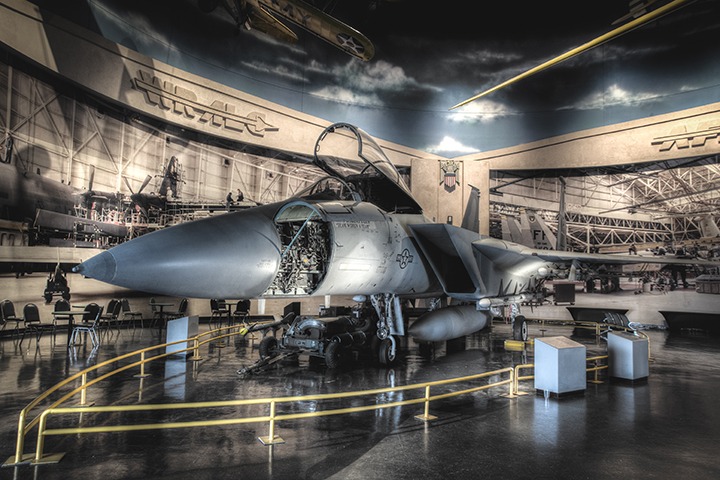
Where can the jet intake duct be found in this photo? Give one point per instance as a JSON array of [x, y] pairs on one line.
[[450, 253]]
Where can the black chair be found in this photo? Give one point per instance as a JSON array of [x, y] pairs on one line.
[[61, 305], [33, 323], [180, 312], [171, 315], [112, 312], [242, 311], [157, 314], [89, 324], [219, 310], [7, 310], [129, 314]]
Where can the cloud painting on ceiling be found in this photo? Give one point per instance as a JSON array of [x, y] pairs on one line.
[[431, 55]]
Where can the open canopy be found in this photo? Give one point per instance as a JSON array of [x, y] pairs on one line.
[[351, 155]]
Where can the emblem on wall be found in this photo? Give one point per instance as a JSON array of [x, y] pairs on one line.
[[449, 169], [681, 138], [185, 103]]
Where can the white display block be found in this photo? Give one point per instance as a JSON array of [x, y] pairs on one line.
[[181, 329], [175, 377], [627, 356], [559, 365]]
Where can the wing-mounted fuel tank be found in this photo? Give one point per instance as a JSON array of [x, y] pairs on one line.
[[346, 248]]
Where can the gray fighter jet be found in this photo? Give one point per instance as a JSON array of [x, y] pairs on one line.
[[358, 232]]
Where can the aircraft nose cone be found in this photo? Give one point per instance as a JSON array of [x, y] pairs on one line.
[[100, 267], [234, 255]]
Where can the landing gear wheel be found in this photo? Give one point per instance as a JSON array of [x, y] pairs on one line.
[[268, 347], [386, 355], [520, 329], [333, 355]]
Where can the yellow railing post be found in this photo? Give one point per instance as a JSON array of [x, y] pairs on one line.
[[272, 421], [83, 392], [196, 350], [271, 438], [596, 371], [142, 373], [39, 457], [426, 414], [41, 436], [20, 445]]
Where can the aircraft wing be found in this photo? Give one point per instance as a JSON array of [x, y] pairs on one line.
[[598, 258], [265, 22], [320, 24], [471, 268]]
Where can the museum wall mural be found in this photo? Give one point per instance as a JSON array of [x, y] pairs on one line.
[[427, 56]]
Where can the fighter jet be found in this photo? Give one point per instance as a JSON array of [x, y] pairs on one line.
[[356, 232]]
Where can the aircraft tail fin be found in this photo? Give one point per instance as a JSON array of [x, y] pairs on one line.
[[540, 235], [471, 220]]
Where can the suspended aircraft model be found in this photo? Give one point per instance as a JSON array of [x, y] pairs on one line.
[[358, 232], [262, 15]]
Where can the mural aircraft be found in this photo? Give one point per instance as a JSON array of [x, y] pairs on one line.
[[29, 197]]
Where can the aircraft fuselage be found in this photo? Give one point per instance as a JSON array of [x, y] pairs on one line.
[[288, 249]]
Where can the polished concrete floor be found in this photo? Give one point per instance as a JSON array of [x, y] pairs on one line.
[[665, 427]]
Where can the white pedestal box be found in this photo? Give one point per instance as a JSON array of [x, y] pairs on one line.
[[627, 356], [180, 329], [559, 366]]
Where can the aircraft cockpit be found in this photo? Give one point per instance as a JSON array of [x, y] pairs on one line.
[[351, 156], [330, 188]]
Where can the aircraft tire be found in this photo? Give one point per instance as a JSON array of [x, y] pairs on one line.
[[385, 355], [333, 355], [520, 329], [268, 347]]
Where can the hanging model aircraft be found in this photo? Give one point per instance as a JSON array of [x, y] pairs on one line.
[[262, 15], [359, 232]]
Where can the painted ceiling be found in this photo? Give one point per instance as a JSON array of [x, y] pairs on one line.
[[430, 55]]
